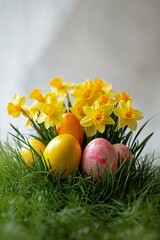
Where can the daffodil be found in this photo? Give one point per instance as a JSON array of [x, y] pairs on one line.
[[122, 96], [46, 108], [60, 87], [84, 93], [77, 110], [50, 97], [98, 84], [52, 114], [33, 112], [15, 108], [106, 99], [36, 94], [41, 100], [127, 115], [96, 118], [105, 94]]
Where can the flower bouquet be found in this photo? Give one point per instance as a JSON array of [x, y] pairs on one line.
[[86, 126]]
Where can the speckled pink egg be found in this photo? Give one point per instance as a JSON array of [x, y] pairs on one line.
[[123, 152], [99, 157]]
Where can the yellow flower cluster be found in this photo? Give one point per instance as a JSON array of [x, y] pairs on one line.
[[94, 103]]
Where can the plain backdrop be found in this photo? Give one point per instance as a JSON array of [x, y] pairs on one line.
[[117, 40]]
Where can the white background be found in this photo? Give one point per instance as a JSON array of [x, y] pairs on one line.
[[117, 40]]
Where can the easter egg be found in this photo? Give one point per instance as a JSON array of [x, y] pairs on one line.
[[63, 155], [99, 157], [71, 125], [123, 152], [27, 153]]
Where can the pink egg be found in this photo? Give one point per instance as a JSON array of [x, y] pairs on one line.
[[123, 152], [99, 157]]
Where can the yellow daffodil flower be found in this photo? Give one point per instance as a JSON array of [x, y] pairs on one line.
[[127, 115], [60, 87], [122, 96], [34, 110], [96, 118], [98, 84], [77, 110], [84, 93], [52, 114], [51, 97], [106, 99], [36, 94], [15, 108], [41, 100], [106, 94]]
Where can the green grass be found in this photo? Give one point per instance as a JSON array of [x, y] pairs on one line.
[[35, 205]]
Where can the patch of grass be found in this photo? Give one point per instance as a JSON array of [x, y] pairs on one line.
[[35, 205]]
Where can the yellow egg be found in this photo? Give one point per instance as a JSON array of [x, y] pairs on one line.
[[28, 154], [71, 125], [63, 155]]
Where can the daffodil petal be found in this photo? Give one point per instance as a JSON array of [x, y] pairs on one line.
[[109, 120], [87, 110], [41, 118], [56, 120], [100, 127], [122, 122], [118, 112], [90, 131], [21, 100], [139, 115], [107, 109], [86, 121], [16, 97], [132, 124], [48, 123], [28, 123]]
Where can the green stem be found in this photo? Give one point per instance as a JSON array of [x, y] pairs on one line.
[[68, 101], [38, 130]]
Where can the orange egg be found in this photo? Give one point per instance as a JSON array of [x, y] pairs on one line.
[[71, 125], [63, 155]]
